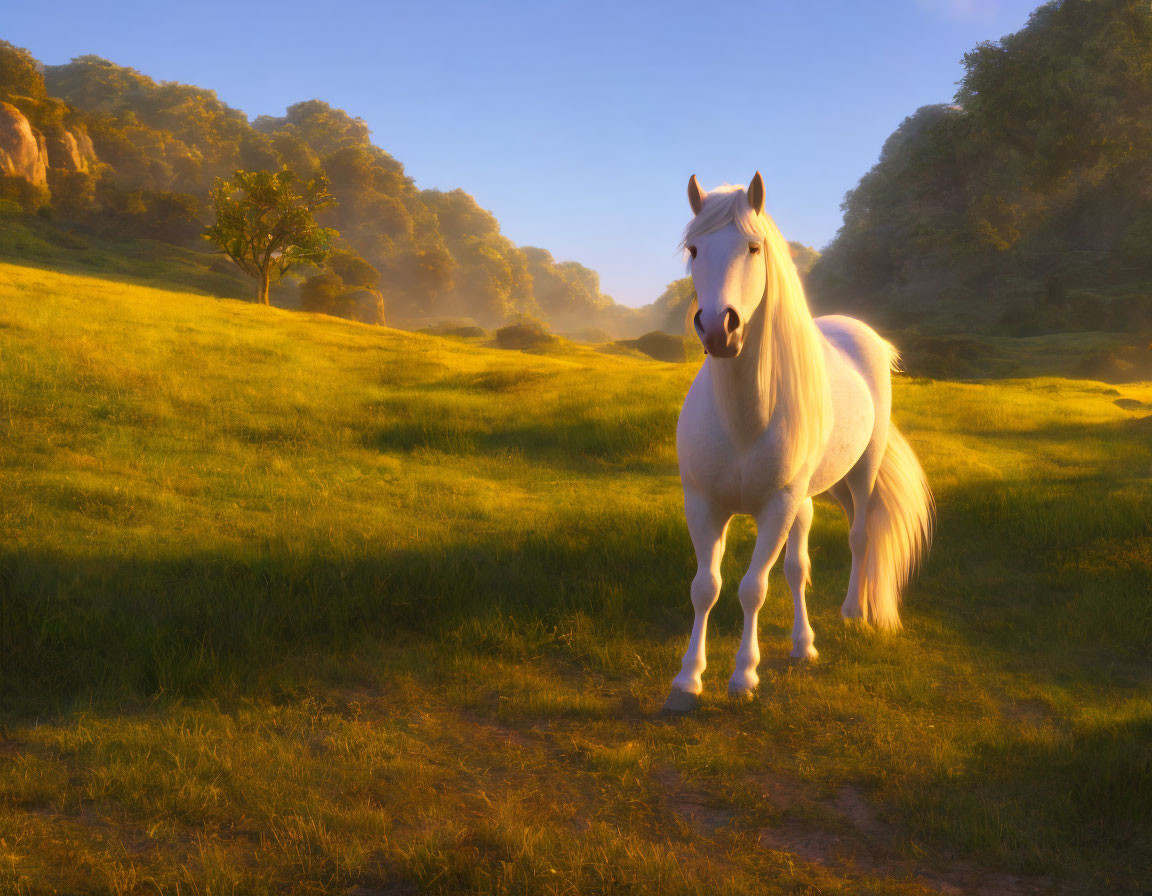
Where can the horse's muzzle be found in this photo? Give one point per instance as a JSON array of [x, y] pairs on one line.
[[722, 334]]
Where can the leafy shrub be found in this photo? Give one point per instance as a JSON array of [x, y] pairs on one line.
[[73, 192], [525, 333], [659, 345], [320, 294], [363, 305], [28, 196], [353, 270], [327, 293], [460, 332]]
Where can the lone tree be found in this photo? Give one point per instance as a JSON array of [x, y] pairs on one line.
[[266, 223]]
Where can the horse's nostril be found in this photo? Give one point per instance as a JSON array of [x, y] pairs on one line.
[[731, 320], [698, 325]]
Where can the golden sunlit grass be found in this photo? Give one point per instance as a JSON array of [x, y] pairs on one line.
[[296, 604]]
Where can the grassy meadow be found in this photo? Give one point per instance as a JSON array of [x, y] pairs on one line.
[[294, 604]]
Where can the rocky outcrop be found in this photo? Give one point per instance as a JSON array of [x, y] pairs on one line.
[[23, 149], [70, 151], [84, 144], [27, 153]]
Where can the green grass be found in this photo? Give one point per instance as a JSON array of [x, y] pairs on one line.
[[34, 242], [290, 603]]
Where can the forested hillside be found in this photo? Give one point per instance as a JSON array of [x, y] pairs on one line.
[[1021, 208], [1025, 205], [144, 155]]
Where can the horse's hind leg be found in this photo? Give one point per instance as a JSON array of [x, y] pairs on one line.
[[843, 496], [797, 568], [858, 483], [708, 528]]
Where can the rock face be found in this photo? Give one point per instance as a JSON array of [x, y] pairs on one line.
[[70, 152], [23, 150], [26, 153], [87, 150]]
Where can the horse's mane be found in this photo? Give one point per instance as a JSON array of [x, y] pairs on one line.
[[791, 350]]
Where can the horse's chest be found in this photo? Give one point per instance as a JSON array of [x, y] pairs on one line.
[[738, 479]]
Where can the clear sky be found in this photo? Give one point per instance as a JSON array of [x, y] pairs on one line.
[[576, 123]]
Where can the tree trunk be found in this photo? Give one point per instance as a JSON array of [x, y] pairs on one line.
[[262, 289]]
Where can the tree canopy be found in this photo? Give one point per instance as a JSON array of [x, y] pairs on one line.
[[266, 223], [1025, 204]]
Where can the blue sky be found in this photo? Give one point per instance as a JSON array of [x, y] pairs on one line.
[[577, 124]]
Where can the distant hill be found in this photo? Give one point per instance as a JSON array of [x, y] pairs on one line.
[[1025, 205], [106, 152]]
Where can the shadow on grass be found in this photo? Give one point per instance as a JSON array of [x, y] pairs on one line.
[[582, 444], [1030, 575], [90, 628], [1042, 568], [1077, 798], [1133, 432]]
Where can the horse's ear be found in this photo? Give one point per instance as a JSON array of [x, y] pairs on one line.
[[756, 194], [695, 195]]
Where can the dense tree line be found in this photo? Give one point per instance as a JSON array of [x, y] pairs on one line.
[[1024, 206]]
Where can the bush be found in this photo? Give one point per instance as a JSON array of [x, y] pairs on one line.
[[23, 193], [363, 305], [173, 217], [73, 192], [353, 270], [525, 333], [154, 214], [659, 345], [465, 332], [459, 331], [327, 293], [320, 294]]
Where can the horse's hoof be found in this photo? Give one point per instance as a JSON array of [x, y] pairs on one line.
[[739, 692], [849, 612], [680, 702], [803, 655]]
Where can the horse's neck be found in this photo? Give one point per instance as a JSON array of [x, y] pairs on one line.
[[740, 384]]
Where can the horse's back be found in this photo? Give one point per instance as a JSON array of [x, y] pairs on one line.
[[870, 353], [858, 361]]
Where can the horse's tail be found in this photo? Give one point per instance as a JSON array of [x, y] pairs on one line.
[[901, 517]]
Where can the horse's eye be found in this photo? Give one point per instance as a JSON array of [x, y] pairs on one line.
[[753, 248], [692, 251]]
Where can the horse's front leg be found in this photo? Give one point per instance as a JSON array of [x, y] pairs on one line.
[[797, 568], [708, 527], [772, 525]]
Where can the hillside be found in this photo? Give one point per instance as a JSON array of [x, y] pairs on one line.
[[106, 151], [1022, 207], [293, 603]]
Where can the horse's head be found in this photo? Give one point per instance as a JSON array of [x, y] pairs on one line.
[[726, 246]]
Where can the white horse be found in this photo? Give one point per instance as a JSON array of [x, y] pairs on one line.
[[785, 407]]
